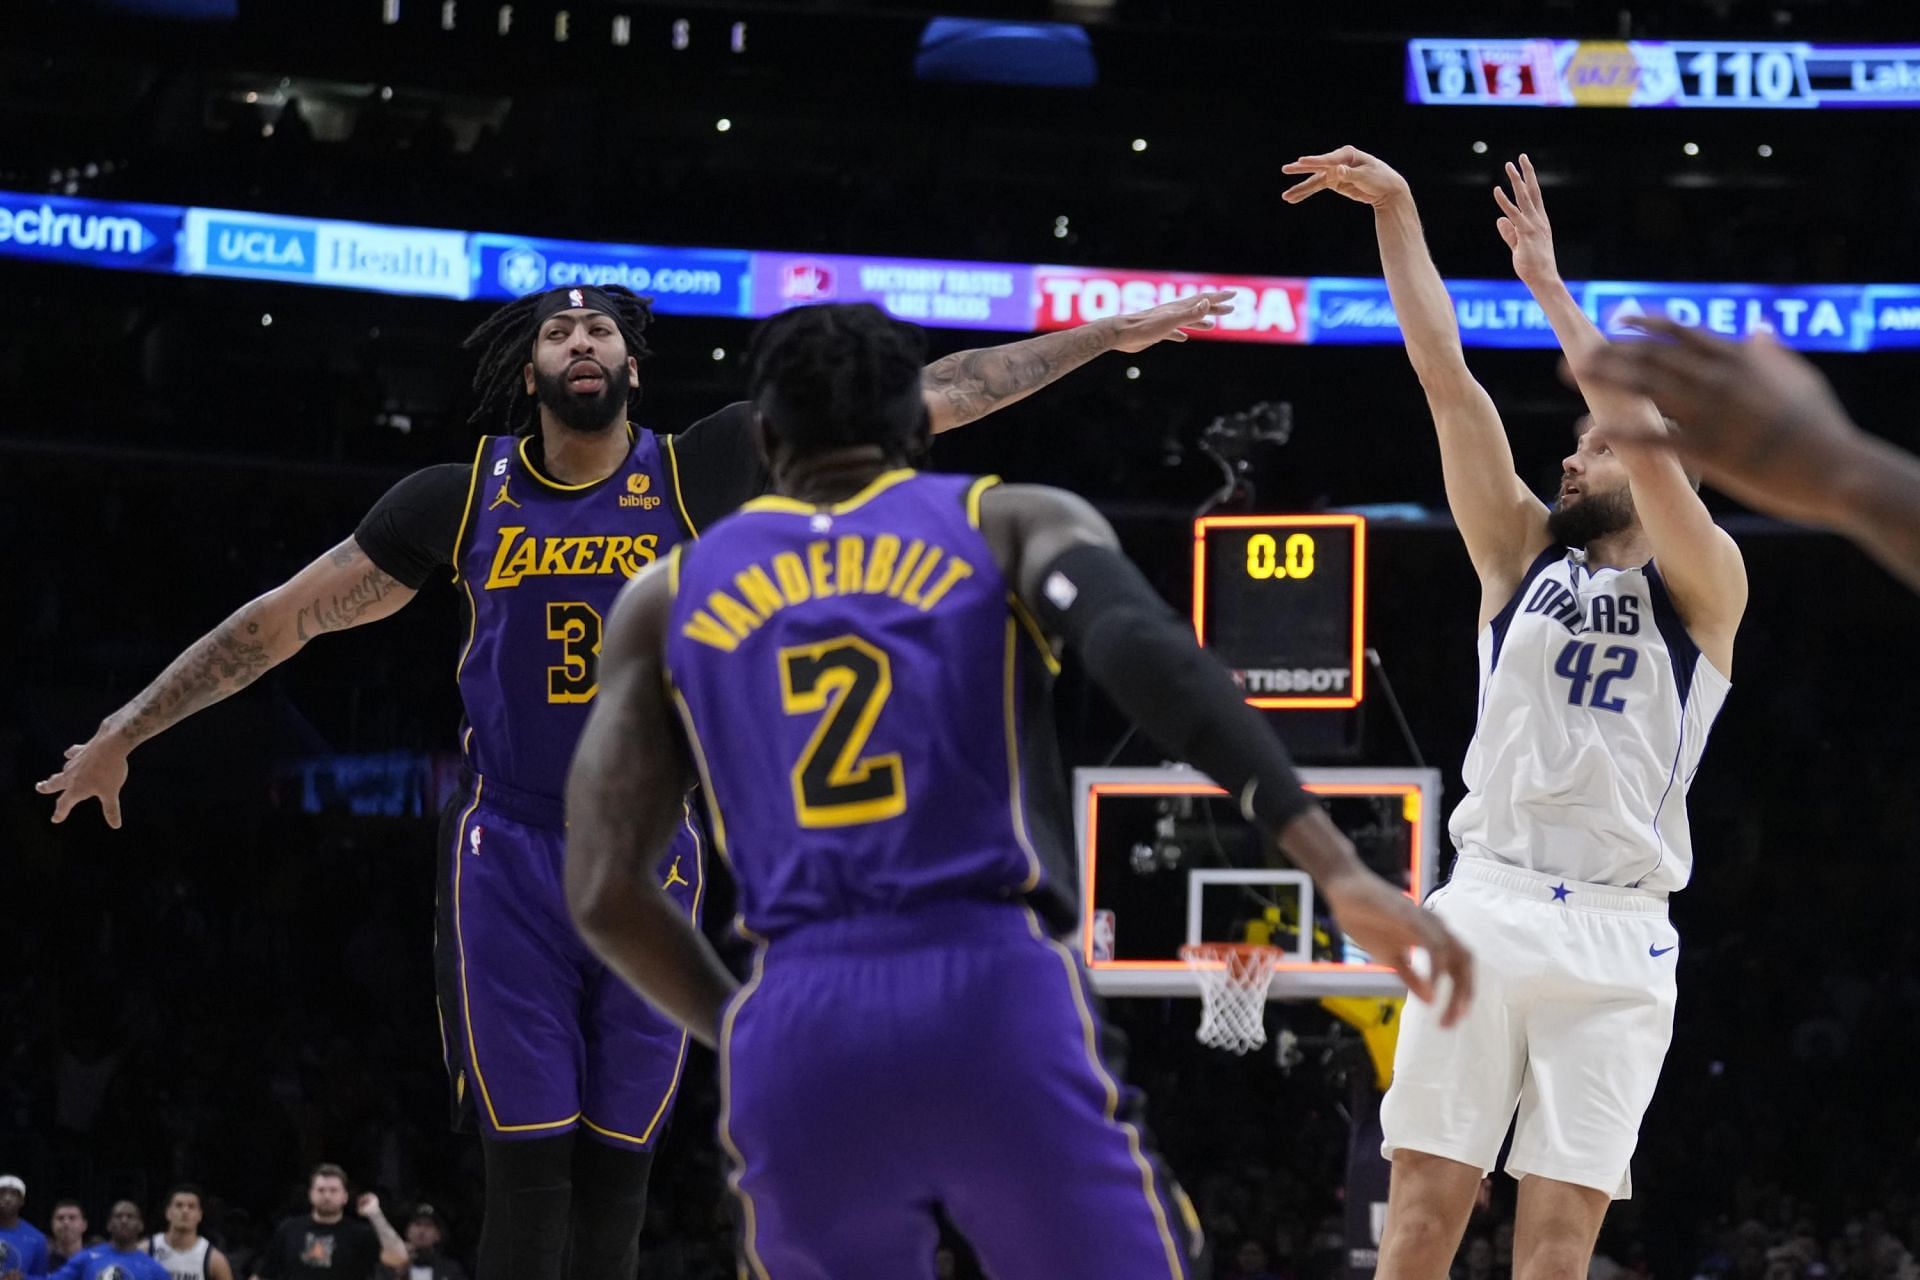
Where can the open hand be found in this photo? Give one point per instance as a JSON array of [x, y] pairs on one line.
[[95, 770], [1389, 926], [1164, 323], [1755, 418], [1350, 172], [1525, 227]]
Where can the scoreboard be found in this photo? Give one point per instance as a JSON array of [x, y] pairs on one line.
[[1661, 73], [1281, 600]]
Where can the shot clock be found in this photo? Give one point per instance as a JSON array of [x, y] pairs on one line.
[[1281, 600]]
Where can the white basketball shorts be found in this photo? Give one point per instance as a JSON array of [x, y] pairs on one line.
[[1571, 1018]]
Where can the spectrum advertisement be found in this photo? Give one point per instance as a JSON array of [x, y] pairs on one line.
[[89, 233], [1006, 297]]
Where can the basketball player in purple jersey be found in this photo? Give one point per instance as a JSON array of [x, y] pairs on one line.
[[862, 676], [540, 531]]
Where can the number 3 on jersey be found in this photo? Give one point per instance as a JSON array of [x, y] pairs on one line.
[[1575, 663], [576, 625], [834, 785]]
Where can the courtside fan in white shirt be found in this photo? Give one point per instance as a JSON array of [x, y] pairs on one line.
[[1594, 709]]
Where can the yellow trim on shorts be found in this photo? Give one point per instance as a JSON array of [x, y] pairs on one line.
[[1135, 1148], [748, 1217], [680, 1064], [466, 1000]]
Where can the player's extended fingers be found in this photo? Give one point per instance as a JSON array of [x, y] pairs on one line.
[[1507, 206], [1508, 232], [1457, 963], [1325, 160], [110, 806], [1301, 190], [1419, 981], [73, 750], [1684, 335], [63, 806], [1530, 188]]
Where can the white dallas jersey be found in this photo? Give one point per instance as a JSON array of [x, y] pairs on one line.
[[1594, 709], [190, 1265]]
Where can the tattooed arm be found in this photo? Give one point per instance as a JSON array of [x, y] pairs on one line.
[[339, 590], [969, 385]]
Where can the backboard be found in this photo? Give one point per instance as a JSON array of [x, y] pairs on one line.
[[1166, 859]]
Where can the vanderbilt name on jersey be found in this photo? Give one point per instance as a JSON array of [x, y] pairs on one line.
[[1595, 706]]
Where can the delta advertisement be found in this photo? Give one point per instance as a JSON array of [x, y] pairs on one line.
[[1002, 296]]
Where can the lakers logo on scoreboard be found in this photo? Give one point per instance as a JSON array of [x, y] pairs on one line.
[[638, 483], [1602, 73]]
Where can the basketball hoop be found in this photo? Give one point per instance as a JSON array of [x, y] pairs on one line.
[[1233, 979]]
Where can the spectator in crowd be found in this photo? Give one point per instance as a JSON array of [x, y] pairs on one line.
[[1476, 1260], [23, 1250], [181, 1249], [325, 1244], [1250, 1262], [121, 1257], [426, 1233], [69, 1238]]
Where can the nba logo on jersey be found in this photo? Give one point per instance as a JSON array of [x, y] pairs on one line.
[[473, 840]]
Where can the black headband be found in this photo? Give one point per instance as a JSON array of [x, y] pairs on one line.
[[554, 301]]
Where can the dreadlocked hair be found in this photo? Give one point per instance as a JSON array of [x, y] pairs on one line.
[[505, 340], [840, 374]]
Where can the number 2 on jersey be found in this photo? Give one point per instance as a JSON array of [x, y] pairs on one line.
[[834, 785], [1575, 663], [576, 625]]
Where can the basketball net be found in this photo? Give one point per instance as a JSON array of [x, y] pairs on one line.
[[1233, 979]]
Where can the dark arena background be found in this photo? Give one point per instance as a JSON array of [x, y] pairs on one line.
[[237, 985]]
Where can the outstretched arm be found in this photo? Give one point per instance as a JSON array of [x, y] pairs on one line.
[[1763, 425], [623, 803], [1698, 560], [393, 1250], [1503, 523], [969, 385], [339, 590], [1068, 569]]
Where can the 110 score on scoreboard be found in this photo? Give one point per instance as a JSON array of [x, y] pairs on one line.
[[1281, 600], [1661, 73]]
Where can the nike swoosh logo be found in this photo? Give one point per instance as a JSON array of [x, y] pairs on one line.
[[1660, 951]]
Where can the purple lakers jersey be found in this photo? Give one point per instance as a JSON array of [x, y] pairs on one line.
[[869, 707], [541, 563]]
